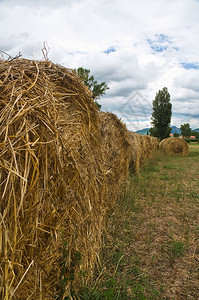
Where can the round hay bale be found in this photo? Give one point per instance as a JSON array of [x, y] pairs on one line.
[[155, 143], [51, 181], [174, 146], [150, 145], [142, 147], [116, 155], [135, 152]]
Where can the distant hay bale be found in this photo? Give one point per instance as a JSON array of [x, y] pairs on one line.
[[142, 147], [51, 180], [116, 155], [135, 152], [174, 146], [150, 145]]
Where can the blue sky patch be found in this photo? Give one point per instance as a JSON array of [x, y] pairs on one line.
[[109, 50], [188, 66], [162, 38], [159, 42], [158, 48]]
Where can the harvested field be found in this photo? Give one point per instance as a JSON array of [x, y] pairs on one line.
[[151, 250], [174, 146]]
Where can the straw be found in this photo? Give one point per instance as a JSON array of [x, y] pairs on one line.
[[51, 180], [142, 148], [116, 155], [174, 146]]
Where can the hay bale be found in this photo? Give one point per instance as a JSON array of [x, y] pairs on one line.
[[135, 152], [174, 146], [150, 146], [116, 155], [142, 147], [52, 180]]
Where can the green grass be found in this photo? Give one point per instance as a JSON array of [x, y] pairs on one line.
[[194, 154], [170, 166], [152, 169], [176, 248], [153, 235]]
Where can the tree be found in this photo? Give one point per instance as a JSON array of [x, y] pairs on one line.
[[161, 116], [176, 134], [153, 132], [97, 89], [185, 130]]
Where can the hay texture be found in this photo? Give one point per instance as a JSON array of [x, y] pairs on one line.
[[135, 152], [149, 146], [142, 148], [51, 180], [116, 154], [174, 146]]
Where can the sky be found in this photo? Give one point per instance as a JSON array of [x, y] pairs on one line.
[[136, 47]]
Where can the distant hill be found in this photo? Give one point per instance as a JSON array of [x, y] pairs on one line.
[[177, 130], [174, 130], [143, 131]]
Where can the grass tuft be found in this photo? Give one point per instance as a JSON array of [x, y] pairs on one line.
[[176, 248]]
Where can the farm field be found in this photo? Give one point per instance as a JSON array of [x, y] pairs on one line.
[[151, 249]]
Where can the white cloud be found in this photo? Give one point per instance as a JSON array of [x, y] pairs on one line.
[[154, 42], [188, 79]]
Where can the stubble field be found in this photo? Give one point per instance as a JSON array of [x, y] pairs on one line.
[[151, 248]]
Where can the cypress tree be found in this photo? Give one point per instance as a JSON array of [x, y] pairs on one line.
[[162, 112]]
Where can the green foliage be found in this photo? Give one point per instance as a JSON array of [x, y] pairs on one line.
[[176, 134], [161, 116], [185, 130], [187, 140], [195, 133], [97, 89], [153, 132]]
